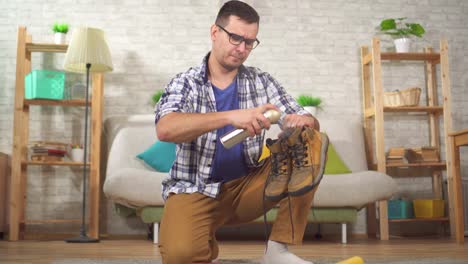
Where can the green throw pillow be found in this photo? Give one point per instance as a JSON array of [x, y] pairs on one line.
[[335, 165], [160, 156]]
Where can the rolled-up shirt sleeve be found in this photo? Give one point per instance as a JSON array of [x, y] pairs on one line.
[[278, 96], [176, 98]]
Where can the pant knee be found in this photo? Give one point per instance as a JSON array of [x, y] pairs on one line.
[[179, 252], [176, 254]]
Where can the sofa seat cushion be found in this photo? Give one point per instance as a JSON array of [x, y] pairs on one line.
[[321, 215], [151, 214], [135, 187], [139, 188], [355, 189]]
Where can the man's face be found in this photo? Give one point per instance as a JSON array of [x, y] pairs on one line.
[[229, 55]]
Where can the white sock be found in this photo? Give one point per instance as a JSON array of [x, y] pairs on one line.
[[277, 253]]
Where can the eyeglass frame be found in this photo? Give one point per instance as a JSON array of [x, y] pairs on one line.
[[242, 39]]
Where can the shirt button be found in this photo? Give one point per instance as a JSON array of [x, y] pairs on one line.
[[214, 140], [209, 165]]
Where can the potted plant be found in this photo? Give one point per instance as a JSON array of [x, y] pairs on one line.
[[310, 103], [157, 96], [60, 31], [401, 31], [76, 152]]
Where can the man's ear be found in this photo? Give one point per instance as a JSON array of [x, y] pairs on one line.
[[213, 31]]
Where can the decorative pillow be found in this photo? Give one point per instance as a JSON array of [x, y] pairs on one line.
[[265, 153], [335, 165], [160, 156]]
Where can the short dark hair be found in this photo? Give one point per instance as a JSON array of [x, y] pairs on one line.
[[239, 9]]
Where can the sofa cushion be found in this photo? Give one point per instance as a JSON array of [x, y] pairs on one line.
[[355, 189], [138, 188], [135, 187], [159, 156]]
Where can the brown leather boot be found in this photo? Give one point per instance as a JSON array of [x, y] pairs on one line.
[[277, 182], [308, 150]]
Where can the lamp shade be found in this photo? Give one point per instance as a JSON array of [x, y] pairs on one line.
[[88, 45]]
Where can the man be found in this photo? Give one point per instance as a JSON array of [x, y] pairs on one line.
[[211, 186]]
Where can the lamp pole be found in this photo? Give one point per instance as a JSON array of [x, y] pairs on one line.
[[83, 238]]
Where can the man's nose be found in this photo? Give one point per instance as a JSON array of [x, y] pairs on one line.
[[241, 47]]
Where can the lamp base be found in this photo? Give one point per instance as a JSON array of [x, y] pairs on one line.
[[82, 239]]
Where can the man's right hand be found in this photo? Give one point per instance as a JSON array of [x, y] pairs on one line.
[[251, 119]]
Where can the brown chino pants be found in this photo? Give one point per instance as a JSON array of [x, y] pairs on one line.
[[190, 221]]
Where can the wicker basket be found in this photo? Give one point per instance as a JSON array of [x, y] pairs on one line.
[[406, 97]]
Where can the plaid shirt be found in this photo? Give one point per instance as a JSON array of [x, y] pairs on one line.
[[191, 92]]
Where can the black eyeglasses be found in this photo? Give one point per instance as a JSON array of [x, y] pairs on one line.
[[235, 39]]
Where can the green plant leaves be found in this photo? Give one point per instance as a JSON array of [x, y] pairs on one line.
[[306, 100], [388, 24], [156, 96], [417, 29], [396, 28], [60, 28]]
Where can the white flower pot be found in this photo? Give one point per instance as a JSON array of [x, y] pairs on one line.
[[402, 44], [311, 109], [77, 154], [59, 38]]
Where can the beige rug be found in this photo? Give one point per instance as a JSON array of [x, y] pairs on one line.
[[244, 261]]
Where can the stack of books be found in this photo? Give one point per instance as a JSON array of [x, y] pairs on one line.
[[423, 154], [396, 156], [47, 151]]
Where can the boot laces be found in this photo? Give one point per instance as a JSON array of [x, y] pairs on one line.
[[279, 163], [299, 154]]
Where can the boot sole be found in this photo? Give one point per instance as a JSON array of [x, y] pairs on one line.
[[323, 151]]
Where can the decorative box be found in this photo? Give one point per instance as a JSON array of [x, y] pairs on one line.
[[400, 209], [428, 208], [44, 84]]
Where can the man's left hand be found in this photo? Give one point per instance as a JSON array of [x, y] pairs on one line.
[[295, 121]]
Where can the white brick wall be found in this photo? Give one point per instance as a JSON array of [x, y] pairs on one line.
[[309, 46]]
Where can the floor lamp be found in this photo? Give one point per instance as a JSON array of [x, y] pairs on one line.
[[87, 52]]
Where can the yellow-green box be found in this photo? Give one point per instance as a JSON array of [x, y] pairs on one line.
[[428, 208], [44, 84]]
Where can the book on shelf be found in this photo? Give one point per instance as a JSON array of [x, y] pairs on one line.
[[396, 155], [423, 154], [47, 150]]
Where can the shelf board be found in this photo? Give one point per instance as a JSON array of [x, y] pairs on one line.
[[410, 56], [440, 164], [406, 109], [438, 219], [428, 109], [55, 163], [46, 47], [74, 102], [52, 221]]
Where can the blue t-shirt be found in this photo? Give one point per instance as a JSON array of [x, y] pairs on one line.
[[228, 164]]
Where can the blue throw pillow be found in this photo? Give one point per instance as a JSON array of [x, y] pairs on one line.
[[160, 156]]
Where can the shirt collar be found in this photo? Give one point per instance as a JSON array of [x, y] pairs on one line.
[[203, 73]]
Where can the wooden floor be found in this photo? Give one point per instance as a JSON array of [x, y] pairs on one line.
[[48, 251]]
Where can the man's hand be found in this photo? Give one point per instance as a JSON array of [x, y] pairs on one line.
[[252, 119], [295, 121]]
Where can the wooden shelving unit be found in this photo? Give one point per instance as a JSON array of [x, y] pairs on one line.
[[20, 161], [374, 118]]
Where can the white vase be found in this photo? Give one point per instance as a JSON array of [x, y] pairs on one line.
[[311, 109], [77, 154], [402, 44], [59, 38]]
